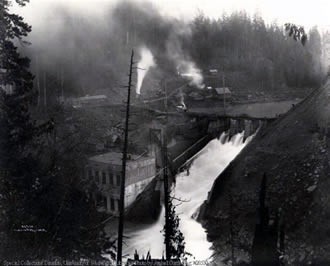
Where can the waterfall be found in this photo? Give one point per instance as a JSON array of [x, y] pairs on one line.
[[193, 189]]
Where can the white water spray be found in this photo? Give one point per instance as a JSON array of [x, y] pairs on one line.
[[205, 168], [146, 61]]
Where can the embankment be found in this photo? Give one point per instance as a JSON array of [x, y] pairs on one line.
[[293, 153]]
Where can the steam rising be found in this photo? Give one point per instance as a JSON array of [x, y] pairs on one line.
[[192, 73], [185, 66], [208, 164], [96, 63], [146, 61], [183, 105]]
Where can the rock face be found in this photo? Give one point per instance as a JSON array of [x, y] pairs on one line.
[[293, 152]]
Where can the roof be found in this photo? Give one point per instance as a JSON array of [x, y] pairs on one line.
[[116, 158], [224, 90]]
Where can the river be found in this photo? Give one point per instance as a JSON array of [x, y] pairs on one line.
[[193, 190]]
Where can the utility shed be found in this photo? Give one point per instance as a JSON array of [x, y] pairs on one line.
[[105, 170], [223, 90]]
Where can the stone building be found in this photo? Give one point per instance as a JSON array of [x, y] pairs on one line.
[[105, 169]]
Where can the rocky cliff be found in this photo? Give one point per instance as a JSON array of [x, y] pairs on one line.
[[293, 152]]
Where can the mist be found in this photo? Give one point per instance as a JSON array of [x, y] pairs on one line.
[[146, 61], [79, 50], [89, 51]]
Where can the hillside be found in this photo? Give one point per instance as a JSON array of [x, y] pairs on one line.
[[293, 153]]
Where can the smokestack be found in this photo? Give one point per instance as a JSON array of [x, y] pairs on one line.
[[146, 61], [184, 107]]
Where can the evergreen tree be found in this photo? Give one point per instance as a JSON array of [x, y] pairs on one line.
[[44, 210], [177, 243], [17, 130]]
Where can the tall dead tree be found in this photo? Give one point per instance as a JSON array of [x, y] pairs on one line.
[[231, 224], [38, 81], [62, 84], [165, 180], [45, 90], [124, 160]]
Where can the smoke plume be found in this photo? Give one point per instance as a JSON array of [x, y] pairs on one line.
[[146, 61], [96, 63], [186, 68], [189, 71], [184, 107]]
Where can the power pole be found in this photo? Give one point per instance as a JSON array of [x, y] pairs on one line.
[[62, 84], [123, 170], [45, 90], [165, 180], [38, 81], [233, 263], [224, 90]]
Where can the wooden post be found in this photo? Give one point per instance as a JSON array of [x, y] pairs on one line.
[[122, 183], [62, 84], [45, 90], [38, 81], [224, 92], [165, 180], [233, 263]]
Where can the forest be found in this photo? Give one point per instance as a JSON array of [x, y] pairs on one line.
[[85, 55], [42, 152]]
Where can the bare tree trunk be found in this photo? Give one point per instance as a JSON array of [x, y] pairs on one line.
[[38, 81], [62, 84], [122, 183], [165, 180], [45, 90]]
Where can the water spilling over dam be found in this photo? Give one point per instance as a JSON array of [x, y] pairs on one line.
[[192, 187]]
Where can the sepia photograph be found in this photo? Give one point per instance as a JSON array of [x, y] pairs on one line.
[[165, 132]]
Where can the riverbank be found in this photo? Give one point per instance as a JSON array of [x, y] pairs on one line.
[[137, 218], [293, 153], [192, 188]]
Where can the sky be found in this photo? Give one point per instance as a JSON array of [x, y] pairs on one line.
[[302, 12]]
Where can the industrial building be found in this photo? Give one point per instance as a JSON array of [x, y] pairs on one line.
[[105, 170]]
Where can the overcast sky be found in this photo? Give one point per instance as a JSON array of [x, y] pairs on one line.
[[302, 12]]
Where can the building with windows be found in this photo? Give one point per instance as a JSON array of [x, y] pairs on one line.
[[105, 170]]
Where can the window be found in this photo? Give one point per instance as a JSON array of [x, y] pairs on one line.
[[105, 202], [104, 178], [96, 176], [90, 173], [118, 179], [111, 178], [112, 204], [98, 199]]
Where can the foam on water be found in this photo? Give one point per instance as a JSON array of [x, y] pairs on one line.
[[205, 168]]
